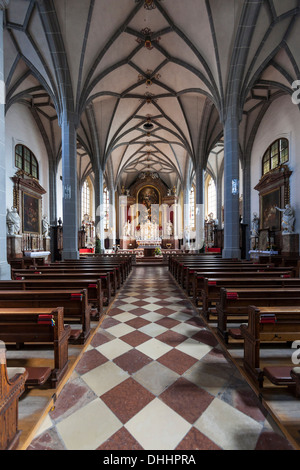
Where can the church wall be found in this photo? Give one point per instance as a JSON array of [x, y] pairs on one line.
[[281, 120], [22, 129]]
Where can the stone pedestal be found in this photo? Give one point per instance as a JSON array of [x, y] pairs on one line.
[[14, 246], [46, 244], [290, 245]]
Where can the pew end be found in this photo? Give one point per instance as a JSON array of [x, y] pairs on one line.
[[12, 386]]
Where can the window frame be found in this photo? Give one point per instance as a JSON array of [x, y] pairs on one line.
[[26, 152], [268, 156], [86, 198], [192, 208], [106, 208], [210, 180]]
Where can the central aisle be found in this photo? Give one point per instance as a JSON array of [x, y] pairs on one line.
[[155, 378]]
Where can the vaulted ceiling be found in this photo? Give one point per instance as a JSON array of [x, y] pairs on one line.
[[147, 79]]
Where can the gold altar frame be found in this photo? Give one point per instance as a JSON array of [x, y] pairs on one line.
[[159, 197], [27, 218]]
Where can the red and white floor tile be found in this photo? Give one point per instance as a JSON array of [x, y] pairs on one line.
[[155, 378]]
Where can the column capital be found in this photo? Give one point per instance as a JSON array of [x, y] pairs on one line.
[[3, 4]]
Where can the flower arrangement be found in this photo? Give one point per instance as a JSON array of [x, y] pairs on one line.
[[157, 251]]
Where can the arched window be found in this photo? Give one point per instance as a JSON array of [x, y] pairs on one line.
[[276, 155], [85, 199], [211, 198], [106, 208], [192, 207], [26, 161]]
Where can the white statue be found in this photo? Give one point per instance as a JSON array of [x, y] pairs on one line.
[[255, 225], [169, 228], [13, 221], [127, 229], [45, 226], [288, 219]]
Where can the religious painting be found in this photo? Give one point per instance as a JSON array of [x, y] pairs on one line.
[[269, 215], [31, 214], [148, 196]]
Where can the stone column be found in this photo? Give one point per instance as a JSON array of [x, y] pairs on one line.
[[247, 205], [199, 208], [69, 178], [112, 217], [99, 203], [231, 187], [123, 218], [4, 266], [186, 214]]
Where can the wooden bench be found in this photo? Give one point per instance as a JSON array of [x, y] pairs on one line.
[[183, 270], [269, 325], [92, 286], [74, 302], [12, 386], [188, 283], [199, 279], [105, 274], [210, 294], [38, 325], [233, 305], [73, 276], [118, 275], [124, 266]]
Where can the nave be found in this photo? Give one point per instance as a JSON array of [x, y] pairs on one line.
[[154, 377]]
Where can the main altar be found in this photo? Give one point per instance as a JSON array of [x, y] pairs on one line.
[[148, 213]]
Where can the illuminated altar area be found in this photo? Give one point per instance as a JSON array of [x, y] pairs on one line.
[[147, 215]]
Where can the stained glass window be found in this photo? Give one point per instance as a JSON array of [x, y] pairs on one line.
[[276, 155], [26, 161]]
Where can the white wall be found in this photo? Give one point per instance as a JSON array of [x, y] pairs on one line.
[[22, 129], [281, 120]]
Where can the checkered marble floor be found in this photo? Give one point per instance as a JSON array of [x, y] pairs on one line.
[[155, 378]]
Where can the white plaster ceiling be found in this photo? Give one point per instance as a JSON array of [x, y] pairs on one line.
[[115, 83]]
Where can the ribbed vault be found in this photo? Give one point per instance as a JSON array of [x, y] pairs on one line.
[[149, 82]]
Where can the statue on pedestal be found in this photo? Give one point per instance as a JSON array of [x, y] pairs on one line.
[[13, 221], [255, 226], [45, 226], [127, 229], [288, 219]]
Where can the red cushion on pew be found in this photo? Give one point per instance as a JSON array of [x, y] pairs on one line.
[[279, 375], [74, 335], [37, 375], [235, 333]]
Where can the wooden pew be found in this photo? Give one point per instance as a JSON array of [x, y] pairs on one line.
[[269, 324], [74, 302], [105, 273], [210, 294], [38, 325], [177, 265], [123, 265], [188, 272], [74, 276], [92, 286], [12, 385], [199, 279], [233, 305], [118, 275]]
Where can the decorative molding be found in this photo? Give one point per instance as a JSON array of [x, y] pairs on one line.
[[148, 4], [147, 40]]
